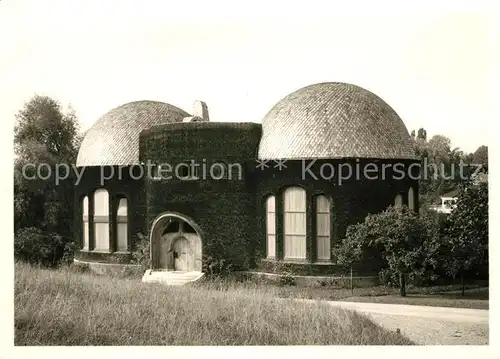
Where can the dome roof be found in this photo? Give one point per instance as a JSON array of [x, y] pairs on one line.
[[114, 138], [333, 120]]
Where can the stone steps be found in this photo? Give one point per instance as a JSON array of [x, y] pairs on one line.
[[170, 277]]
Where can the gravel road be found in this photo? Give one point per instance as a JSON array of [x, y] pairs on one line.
[[427, 325]]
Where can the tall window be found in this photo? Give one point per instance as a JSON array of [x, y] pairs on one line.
[[411, 199], [85, 220], [323, 227], [271, 226], [295, 223], [398, 201], [122, 226], [101, 220]]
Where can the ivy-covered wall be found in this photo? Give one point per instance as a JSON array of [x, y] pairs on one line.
[[231, 210], [223, 208], [352, 199], [123, 181]]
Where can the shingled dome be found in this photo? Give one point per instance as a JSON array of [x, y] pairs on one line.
[[114, 138], [334, 120]]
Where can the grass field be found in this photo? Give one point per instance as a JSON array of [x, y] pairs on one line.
[[61, 307], [476, 297]]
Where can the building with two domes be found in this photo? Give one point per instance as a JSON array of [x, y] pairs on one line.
[[252, 196]]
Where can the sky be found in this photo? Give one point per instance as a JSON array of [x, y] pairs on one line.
[[431, 62]]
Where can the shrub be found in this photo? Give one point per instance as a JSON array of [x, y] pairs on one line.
[[393, 240], [468, 232], [35, 246], [216, 267], [287, 279], [79, 268], [141, 255]]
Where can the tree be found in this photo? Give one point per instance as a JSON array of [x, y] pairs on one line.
[[42, 122], [44, 134], [440, 170], [481, 156], [468, 232], [393, 240], [422, 134]]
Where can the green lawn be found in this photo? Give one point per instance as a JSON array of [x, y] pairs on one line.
[[61, 307], [474, 298], [439, 296]]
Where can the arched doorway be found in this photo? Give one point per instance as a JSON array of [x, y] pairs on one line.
[[176, 244]]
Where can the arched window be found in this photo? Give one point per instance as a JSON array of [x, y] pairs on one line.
[[271, 226], [122, 226], [101, 220], [295, 223], [173, 227], [398, 201], [187, 228], [323, 227], [411, 199], [85, 219]]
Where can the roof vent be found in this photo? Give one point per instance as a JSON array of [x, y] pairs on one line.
[[200, 113]]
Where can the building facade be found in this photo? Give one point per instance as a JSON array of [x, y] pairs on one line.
[[249, 195]]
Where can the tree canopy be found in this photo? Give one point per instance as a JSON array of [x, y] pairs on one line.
[[43, 134], [444, 168]]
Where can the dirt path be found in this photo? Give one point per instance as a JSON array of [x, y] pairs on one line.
[[427, 325]]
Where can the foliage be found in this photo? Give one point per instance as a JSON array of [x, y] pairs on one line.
[[127, 312], [444, 168], [287, 279], [49, 249], [216, 266], [480, 156], [468, 231], [440, 171], [395, 241], [44, 134], [141, 254], [428, 248]]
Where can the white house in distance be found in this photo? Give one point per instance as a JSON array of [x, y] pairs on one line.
[[448, 203], [449, 200]]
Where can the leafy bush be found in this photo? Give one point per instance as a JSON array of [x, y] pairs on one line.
[[467, 232], [141, 255], [287, 279], [216, 267], [79, 268], [37, 247], [394, 241]]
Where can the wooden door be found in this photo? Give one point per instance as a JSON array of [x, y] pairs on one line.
[[181, 254]]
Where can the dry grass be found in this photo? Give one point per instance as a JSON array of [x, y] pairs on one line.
[[61, 307]]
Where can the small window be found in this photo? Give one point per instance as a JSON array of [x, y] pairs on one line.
[[398, 201], [101, 220], [271, 227], [122, 225], [187, 228], [323, 227], [172, 227], [411, 199], [85, 218], [295, 202]]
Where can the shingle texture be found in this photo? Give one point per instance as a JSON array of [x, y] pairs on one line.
[[334, 120], [114, 138]]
